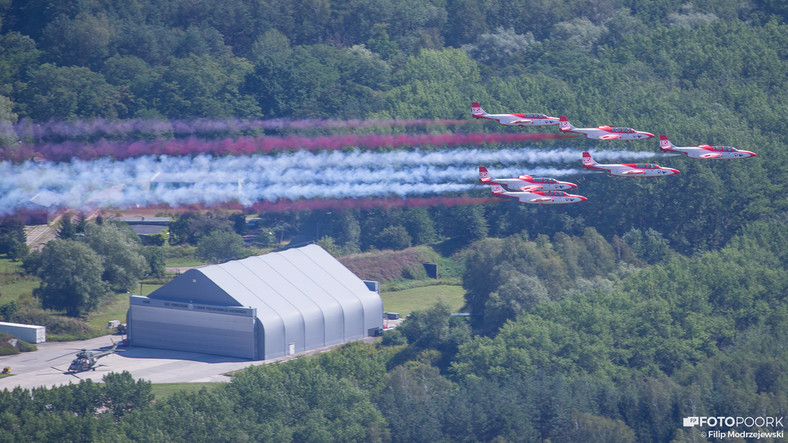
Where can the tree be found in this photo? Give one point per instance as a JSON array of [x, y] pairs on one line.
[[191, 226], [414, 402], [69, 92], [500, 47], [393, 237], [18, 55], [380, 43], [428, 328], [122, 394], [220, 246], [593, 428], [520, 293], [579, 31], [70, 275], [121, 254], [420, 226], [466, 223], [81, 41], [66, 229], [12, 238], [271, 53], [301, 401], [349, 235], [650, 245], [479, 257], [329, 245], [8, 136], [154, 255], [205, 86]]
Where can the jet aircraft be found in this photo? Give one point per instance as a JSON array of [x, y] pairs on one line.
[[531, 119], [538, 197], [526, 183], [704, 151], [604, 132], [628, 169]]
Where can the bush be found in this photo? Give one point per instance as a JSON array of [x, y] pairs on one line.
[[393, 337], [59, 328], [6, 348]]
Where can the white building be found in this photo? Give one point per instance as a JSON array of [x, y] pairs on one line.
[[258, 308]]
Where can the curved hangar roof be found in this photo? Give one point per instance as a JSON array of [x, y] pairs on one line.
[[300, 299]]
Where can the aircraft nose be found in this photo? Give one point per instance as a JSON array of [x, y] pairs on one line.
[[675, 171], [582, 199], [648, 134], [752, 154]]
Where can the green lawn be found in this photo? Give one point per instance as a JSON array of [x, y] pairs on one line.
[[416, 299], [183, 262], [12, 291], [116, 307]]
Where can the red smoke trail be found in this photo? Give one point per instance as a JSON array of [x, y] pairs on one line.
[[315, 205], [386, 203], [255, 145]]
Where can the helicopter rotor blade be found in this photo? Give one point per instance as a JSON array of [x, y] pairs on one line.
[[60, 356]]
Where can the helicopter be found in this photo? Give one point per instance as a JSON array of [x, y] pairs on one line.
[[88, 360]]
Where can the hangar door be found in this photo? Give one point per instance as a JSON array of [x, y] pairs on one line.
[[221, 330]]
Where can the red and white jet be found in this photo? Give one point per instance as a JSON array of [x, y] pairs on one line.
[[628, 169], [704, 151], [604, 132], [526, 183], [513, 119], [538, 197]]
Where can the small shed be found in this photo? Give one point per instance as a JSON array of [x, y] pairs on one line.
[[28, 333]]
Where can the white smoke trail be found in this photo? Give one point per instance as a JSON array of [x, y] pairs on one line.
[[178, 181], [324, 159], [99, 126]]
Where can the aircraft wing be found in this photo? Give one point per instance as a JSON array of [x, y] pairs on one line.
[[514, 122], [610, 136], [542, 199], [634, 172], [711, 155]]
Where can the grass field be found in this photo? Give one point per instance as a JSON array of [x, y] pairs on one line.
[[416, 299], [116, 308], [13, 290]]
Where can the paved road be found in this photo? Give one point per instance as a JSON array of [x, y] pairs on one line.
[[46, 366]]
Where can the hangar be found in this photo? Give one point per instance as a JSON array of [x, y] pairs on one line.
[[259, 308]]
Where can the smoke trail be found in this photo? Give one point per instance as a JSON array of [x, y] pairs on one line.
[[255, 145], [455, 157], [27, 129], [326, 204], [204, 179], [412, 202]]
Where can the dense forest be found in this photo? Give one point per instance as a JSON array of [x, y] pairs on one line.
[[609, 320]]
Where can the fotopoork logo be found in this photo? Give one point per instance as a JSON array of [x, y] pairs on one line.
[[734, 422], [690, 422], [768, 423]]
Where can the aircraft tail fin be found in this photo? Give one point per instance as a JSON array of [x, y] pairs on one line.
[[588, 161], [476, 110], [664, 143], [484, 175], [564, 125], [498, 189]]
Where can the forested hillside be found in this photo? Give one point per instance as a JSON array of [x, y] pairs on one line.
[[608, 320]]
